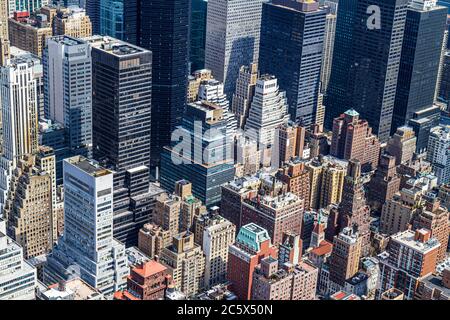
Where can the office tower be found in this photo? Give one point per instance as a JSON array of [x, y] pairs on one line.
[[276, 214], [268, 111], [419, 62], [398, 212], [444, 85], [163, 28], [410, 257], [72, 22], [28, 34], [366, 60], [244, 92], [212, 91], [87, 246], [232, 38], [185, 261], [198, 34], [402, 145], [195, 80], [289, 282], [290, 249], [18, 280], [422, 123], [218, 235], [121, 114], [247, 158], [68, 90], [93, 11], [434, 287], [292, 40], [233, 195], [328, 44], [19, 117], [29, 206], [326, 176], [146, 282], [112, 18], [344, 259], [353, 139], [295, 175], [434, 218], [438, 153], [202, 158], [25, 5], [352, 210], [384, 183], [252, 244]]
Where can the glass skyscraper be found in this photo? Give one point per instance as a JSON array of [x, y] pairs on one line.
[[366, 61], [112, 18], [198, 34], [292, 36]]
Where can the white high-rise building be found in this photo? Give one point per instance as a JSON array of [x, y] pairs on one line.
[[438, 153], [87, 248], [212, 91], [18, 96], [268, 111], [232, 38], [18, 279]]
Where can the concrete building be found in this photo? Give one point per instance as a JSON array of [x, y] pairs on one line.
[[353, 139], [18, 98], [218, 235], [244, 92], [438, 153], [252, 244], [87, 247], [268, 111], [185, 262], [232, 38], [68, 90], [146, 281], [410, 257], [290, 282], [402, 145], [32, 221], [398, 212], [344, 259], [72, 22], [384, 183], [18, 279], [276, 214]]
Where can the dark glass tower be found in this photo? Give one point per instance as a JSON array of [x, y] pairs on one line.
[[198, 34], [291, 46], [366, 61], [419, 63], [122, 92], [163, 28]]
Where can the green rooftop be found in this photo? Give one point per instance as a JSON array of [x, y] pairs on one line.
[[252, 235]]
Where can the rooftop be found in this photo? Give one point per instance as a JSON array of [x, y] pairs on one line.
[[407, 238], [252, 235], [89, 166]]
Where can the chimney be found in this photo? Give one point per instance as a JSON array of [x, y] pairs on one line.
[[422, 235]]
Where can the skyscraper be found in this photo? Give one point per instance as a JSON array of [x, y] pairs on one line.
[[18, 280], [18, 100], [232, 38], [366, 61], [292, 36], [198, 34], [93, 11], [164, 30], [420, 60], [252, 244], [122, 93], [438, 153], [202, 156], [328, 44], [87, 246], [68, 90], [243, 94], [111, 18]]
